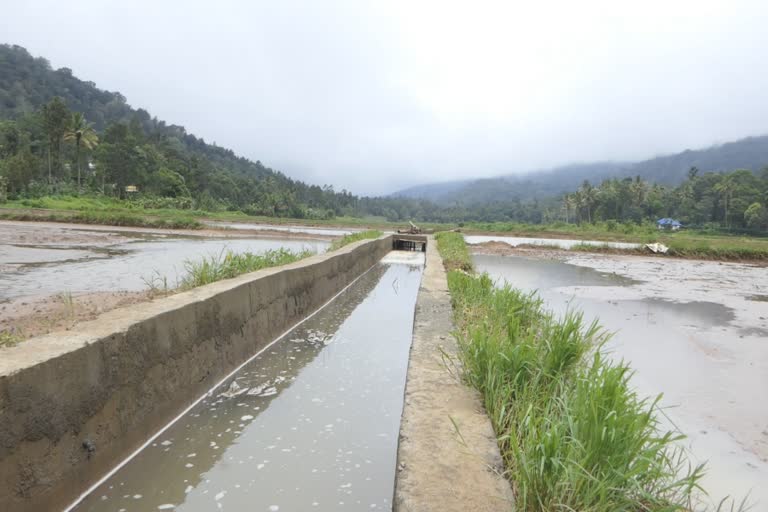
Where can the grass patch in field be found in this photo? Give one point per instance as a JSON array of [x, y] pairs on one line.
[[454, 251], [108, 218], [354, 237], [228, 264], [573, 433], [9, 338]]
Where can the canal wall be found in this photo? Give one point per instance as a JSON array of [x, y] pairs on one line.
[[74, 404], [448, 459]]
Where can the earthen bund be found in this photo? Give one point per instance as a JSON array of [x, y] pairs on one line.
[[74, 404]]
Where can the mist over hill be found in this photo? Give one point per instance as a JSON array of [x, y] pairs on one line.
[[750, 153]]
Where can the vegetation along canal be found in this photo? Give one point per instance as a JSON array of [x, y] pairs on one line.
[[691, 330], [309, 424]]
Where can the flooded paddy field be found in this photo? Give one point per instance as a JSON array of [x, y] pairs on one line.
[[562, 243], [44, 265], [311, 230], [310, 423], [695, 331]]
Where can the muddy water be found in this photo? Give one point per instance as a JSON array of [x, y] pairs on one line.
[[709, 363], [43, 270], [311, 424], [559, 242]]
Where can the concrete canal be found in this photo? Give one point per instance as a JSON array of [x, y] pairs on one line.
[[691, 330], [311, 423]]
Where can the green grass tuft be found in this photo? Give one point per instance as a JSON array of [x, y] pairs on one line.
[[454, 251], [354, 237], [228, 264], [573, 433]]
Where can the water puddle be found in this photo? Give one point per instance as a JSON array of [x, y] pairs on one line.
[[19, 255], [691, 351], [310, 424], [535, 274], [557, 242], [127, 266]]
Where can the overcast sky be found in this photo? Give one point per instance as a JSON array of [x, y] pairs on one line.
[[376, 96]]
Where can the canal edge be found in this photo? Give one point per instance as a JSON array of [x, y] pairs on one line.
[[448, 458]]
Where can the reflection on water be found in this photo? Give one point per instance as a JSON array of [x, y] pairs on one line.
[[559, 242], [686, 350], [534, 274], [125, 266], [311, 424]]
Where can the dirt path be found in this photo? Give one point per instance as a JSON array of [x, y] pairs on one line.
[[26, 318], [448, 459]]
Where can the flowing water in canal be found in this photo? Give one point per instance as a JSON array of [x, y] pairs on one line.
[[690, 330], [312, 422]]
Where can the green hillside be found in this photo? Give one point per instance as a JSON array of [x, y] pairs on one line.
[[39, 153]]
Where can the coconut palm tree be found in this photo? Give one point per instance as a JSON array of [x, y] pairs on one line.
[[587, 194], [725, 189], [82, 133]]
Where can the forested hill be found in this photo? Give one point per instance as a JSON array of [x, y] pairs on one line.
[[132, 148], [750, 153]]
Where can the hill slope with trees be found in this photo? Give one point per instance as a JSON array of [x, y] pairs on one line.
[[41, 151], [750, 153], [62, 136]]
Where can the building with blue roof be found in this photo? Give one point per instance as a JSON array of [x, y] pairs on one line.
[[668, 223]]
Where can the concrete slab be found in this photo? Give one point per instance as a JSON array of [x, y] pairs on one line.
[[448, 459]]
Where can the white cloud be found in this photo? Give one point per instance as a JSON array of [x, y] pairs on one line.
[[373, 96]]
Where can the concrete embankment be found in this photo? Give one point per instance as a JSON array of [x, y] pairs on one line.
[[448, 459], [74, 404]]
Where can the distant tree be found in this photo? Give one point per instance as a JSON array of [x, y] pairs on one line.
[[725, 188], [55, 120], [82, 133], [588, 196], [756, 216]]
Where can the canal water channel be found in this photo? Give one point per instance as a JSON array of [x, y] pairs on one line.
[[310, 423], [708, 365]]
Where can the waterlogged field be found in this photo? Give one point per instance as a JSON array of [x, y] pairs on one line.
[[55, 275], [562, 243], [311, 230], [695, 331], [310, 424], [125, 261]]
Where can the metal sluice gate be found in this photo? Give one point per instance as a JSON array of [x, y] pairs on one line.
[[409, 243]]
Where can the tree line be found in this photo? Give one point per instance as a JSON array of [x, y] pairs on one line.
[[731, 200], [54, 150], [62, 135]]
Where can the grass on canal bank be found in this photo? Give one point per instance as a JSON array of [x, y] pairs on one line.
[[454, 251], [572, 432], [354, 237], [229, 264]]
